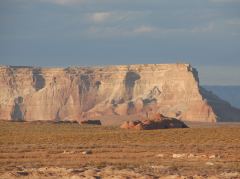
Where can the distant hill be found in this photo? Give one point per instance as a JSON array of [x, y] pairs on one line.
[[228, 93]]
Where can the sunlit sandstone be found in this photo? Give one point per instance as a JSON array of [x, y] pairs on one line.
[[76, 93]]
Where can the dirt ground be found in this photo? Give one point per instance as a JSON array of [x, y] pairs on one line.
[[47, 150]]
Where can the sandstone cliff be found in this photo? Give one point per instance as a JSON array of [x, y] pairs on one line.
[[76, 93]]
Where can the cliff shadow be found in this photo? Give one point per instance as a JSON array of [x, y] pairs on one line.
[[87, 89], [224, 111], [130, 79], [17, 113], [38, 79]]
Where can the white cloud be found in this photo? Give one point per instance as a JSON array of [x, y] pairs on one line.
[[99, 17], [70, 2], [64, 2], [151, 31], [203, 29], [144, 29], [115, 31], [119, 31], [115, 16], [103, 32]]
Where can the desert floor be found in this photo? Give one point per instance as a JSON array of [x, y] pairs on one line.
[[48, 150]]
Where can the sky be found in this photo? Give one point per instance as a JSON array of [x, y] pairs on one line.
[[61, 33]]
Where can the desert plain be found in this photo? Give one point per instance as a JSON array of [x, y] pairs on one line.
[[42, 135], [69, 150]]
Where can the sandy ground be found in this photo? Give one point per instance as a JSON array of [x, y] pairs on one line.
[[106, 172], [47, 150]]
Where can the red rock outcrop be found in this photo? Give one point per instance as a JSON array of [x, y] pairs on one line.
[[157, 123], [76, 93], [132, 125]]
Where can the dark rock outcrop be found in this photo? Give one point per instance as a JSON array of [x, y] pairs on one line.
[[91, 122], [161, 122]]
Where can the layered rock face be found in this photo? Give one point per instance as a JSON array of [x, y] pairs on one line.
[[77, 93]]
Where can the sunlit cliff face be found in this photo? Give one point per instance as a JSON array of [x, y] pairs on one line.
[[75, 93]]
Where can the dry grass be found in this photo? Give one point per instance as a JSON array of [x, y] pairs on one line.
[[32, 145]]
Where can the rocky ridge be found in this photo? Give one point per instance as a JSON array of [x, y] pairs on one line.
[[77, 93]]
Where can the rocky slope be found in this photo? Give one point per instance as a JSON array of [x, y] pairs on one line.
[[76, 93]]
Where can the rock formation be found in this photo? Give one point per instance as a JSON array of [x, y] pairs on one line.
[[91, 122], [77, 93], [161, 122]]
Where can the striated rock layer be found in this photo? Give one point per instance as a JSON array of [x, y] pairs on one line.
[[76, 93]]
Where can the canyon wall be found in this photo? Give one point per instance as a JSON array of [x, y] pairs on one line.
[[76, 93]]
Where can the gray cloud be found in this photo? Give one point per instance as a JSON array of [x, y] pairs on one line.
[[86, 32]]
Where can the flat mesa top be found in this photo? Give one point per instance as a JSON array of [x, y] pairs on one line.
[[170, 65]]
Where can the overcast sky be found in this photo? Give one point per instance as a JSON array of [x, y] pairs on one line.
[[205, 33]]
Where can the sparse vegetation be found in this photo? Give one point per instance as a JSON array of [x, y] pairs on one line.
[[32, 145]]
